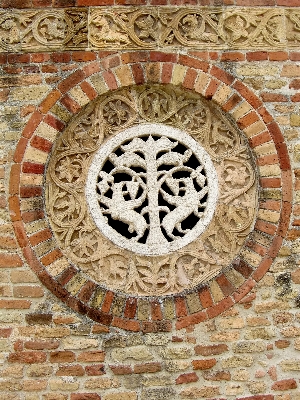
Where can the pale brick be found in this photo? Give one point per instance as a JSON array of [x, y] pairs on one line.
[[101, 383], [231, 323], [29, 93], [80, 343], [258, 70], [120, 396], [179, 72], [237, 361], [63, 384], [290, 365], [234, 389], [138, 353], [176, 353], [196, 393]]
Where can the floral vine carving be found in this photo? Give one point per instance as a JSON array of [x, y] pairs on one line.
[[119, 268]]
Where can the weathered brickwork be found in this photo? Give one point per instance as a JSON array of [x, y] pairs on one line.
[[63, 336]]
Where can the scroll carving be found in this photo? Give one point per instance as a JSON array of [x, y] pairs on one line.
[[147, 27], [120, 268]]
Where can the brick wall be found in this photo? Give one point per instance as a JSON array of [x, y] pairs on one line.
[[242, 341]]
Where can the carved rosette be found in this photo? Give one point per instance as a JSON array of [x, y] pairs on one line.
[[119, 268]]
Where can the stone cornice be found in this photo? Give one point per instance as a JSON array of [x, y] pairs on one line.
[[146, 27]]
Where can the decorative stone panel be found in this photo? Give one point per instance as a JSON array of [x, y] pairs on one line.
[[133, 28], [90, 92]]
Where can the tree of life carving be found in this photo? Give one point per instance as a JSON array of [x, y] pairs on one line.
[[152, 192]]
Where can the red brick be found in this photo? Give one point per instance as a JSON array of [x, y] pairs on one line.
[[265, 227], [244, 289], [91, 356], [284, 384], [275, 246], [222, 75], [83, 56], [86, 292], [190, 320], [270, 182], [202, 55], [295, 83], [270, 205], [130, 308], [288, 3], [10, 261], [15, 304], [51, 257], [38, 319], [18, 58], [39, 57], [30, 191], [4, 94], [224, 284], [54, 122], [273, 97], [205, 297], [166, 73], [278, 56], [40, 236], [91, 68], [156, 326], [110, 80], [111, 62], [61, 57], [5, 332], [156, 312], [147, 368], [95, 370], [275, 133], [121, 369], [204, 364], [70, 104], [284, 219], [72, 80], [14, 179], [28, 291], [212, 88], [85, 396], [107, 302], [41, 144], [135, 57], [247, 94], [41, 344], [31, 216], [295, 98], [282, 343], [33, 168], [234, 100], [232, 56], [67, 275], [193, 62], [210, 350], [258, 397], [267, 160], [294, 55], [262, 269], [220, 307], [180, 306], [32, 124], [259, 139], [189, 79], [138, 74], [163, 57], [49, 101], [27, 357], [88, 90], [187, 378], [70, 370], [248, 120], [62, 356], [257, 56]]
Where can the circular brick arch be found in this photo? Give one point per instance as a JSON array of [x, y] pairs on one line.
[[66, 281]]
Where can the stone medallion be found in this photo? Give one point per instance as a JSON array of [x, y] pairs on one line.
[[151, 190]]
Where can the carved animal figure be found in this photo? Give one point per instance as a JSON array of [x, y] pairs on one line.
[[53, 29], [108, 34], [123, 210], [196, 32], [185, 205]]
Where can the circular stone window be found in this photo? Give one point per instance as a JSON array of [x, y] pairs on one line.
[[151, 190]]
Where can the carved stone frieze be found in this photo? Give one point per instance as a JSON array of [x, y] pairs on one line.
[[99, 255], [47, 29], [146, 27]]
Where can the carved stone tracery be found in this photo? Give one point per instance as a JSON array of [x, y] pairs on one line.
[[119, 268]]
